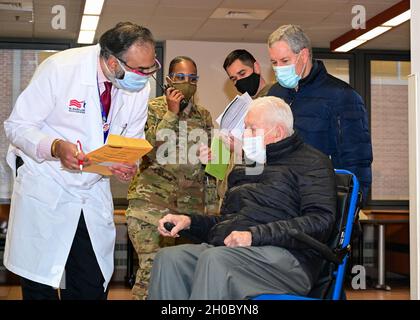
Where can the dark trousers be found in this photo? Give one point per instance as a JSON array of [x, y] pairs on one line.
[[83, 277]]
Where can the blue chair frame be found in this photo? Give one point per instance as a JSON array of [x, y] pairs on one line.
[[338, 256]]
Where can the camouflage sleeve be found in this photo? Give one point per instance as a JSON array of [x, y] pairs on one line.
[[212, 199], [209, 126], [168, 131], [169, 121], [150, 130], [159, 118]]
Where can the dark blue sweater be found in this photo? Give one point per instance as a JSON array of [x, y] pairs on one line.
[[331, 116]]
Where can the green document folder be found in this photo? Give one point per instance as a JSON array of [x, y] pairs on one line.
[[219, 163]]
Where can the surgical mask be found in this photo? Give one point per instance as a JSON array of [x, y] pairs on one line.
[[286, 75], [249, 84], [187, 89], [254, 147], [131, 81]]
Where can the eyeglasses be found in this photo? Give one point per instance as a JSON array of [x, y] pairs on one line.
[[143, 71], [181, 77]]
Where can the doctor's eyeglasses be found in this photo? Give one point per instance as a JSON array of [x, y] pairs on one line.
[[146, 71]]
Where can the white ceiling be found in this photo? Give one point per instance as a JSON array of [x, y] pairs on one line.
[[323, 20], [42, 16]]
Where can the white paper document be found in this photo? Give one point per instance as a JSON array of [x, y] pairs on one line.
[[232, 118]]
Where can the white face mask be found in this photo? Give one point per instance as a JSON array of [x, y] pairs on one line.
[[254, 147]]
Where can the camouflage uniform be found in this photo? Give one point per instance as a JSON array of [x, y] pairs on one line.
[[170, 188]]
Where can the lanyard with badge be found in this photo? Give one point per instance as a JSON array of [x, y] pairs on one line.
[[105, 125]]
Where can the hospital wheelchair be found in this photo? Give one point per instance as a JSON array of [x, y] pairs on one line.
[[336, 252]]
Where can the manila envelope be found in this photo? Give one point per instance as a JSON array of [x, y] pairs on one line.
[[117, 150]]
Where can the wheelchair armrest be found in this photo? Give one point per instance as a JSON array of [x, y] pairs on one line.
[[335, 256]]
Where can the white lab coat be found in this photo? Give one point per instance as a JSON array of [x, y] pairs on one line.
[[47, 200]]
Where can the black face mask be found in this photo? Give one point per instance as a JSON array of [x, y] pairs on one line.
[[249, 84]]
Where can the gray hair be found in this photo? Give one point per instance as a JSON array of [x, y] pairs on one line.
[[276, 111], [294, 36]]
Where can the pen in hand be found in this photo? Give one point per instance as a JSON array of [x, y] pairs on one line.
[[79, 150]]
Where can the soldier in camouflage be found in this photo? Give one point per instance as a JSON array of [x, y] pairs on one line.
[[178, 185]]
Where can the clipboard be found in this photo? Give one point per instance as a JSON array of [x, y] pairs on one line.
[[118, 149]]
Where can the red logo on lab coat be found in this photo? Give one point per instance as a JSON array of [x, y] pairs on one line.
[[77, 106]]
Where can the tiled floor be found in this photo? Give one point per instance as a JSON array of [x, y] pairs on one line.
[[120, 292]]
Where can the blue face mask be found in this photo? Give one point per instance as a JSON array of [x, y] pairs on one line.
[[286, 75], [131, 82]]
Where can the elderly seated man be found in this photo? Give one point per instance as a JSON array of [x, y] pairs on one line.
[[247, 250]]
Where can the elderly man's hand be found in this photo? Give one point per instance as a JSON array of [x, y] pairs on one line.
[[181, 222], [238, 239]]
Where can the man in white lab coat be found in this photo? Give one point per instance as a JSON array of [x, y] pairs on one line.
[[61, 230]]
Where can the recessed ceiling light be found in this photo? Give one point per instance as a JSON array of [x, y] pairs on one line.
[[403, 17], [86, 36], [350, 45], [93, 7], [89, 23], [373, 33]]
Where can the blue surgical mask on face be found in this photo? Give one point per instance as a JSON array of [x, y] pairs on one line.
[[131, 81], [286, 75]]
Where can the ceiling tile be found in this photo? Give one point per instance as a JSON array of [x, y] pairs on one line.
[[285, 17], [18, 30], [216, 26], [207, 4], [323, 20], [252, 4], [323, 6], [126, 4], [44, 17], [164, 11]]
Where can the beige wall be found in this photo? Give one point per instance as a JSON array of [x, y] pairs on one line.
[[390, 166], [215, 90]]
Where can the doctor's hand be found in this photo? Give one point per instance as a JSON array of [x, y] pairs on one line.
[[124, 171], [181, 222], [69, 155], [173, 98], [238, 239]]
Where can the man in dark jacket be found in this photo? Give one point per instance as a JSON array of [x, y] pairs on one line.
[[248, 250], [328, 113]]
